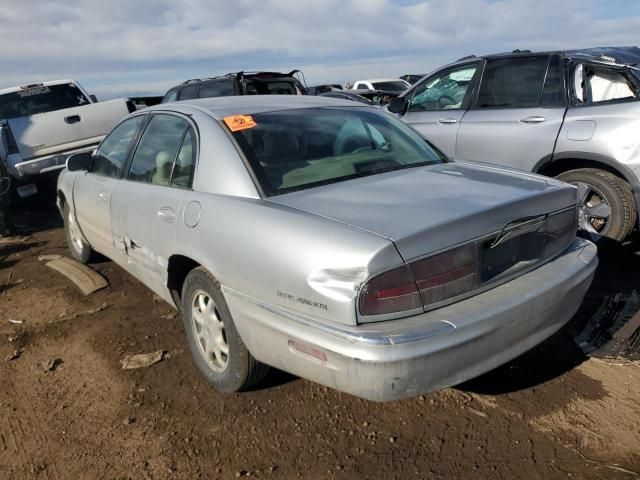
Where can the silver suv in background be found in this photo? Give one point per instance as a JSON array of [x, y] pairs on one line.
[[572, 114]]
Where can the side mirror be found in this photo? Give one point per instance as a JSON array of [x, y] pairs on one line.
[[79, 161], [93, 98], [397, 105]]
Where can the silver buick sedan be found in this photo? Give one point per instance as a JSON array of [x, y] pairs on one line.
[[329, 240]]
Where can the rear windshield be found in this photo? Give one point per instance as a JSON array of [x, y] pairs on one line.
[[390, 86], [40, 99], [298, 149], [270, 87]]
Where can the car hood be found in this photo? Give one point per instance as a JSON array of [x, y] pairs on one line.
[[426, 209]]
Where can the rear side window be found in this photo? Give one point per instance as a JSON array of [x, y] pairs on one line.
[[222, 88], [553, 93], [595, 84], [41, 99], [112, 153], [187, 93], [184, 167], [512, 82], [157, 149]]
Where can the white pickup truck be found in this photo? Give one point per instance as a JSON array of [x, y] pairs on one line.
[[41, 124]]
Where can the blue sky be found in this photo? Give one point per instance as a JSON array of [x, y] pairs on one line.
[[125, 47]]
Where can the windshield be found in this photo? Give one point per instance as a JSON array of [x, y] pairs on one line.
[[293, 150], [398, 86], [31, 101]]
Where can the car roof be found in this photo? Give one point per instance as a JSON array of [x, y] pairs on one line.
[[221, 107], [629, 55]]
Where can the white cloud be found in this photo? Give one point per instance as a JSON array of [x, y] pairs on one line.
[[146, 45]]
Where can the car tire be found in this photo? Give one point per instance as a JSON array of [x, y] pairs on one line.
[[596, 186], [78, 246], [210, 331]]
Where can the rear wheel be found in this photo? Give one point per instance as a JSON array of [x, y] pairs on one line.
[[607, 206], [78, 246], [215, 344]]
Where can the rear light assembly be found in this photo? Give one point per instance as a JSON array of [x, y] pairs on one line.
[[390, 292], [421, 283], [434, 281]]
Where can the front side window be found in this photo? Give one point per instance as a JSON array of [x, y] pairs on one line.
[[112, 153], [297, 149], [512, 82], [445, 91], [41, 99], [158, 146], [600, 84]]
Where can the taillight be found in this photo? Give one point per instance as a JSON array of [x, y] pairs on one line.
[[390, 292], [421, 283], [447, 274]]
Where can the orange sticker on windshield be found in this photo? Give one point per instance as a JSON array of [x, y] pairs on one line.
[[239, 122]]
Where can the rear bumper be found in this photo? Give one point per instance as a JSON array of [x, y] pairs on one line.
[[402, 358]]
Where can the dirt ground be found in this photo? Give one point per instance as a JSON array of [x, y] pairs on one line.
[[68, 410]]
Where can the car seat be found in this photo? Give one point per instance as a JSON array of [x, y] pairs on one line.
[[162, 172]]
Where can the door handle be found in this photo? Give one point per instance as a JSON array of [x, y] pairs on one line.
[[104, 196], [447, 121], [167, 214], [72, 119], [533, 119]]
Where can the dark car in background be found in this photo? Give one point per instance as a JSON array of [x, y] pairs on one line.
[[412, 77], [319, 89], [353, 95], [240, 83]]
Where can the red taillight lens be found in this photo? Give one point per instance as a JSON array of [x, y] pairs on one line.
[[391, 292], [446, 275]]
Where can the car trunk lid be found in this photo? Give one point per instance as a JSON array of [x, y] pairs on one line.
[[424, 210]]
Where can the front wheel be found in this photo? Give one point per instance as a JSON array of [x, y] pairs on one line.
[[78, 246], [606, 202], [215, 344]]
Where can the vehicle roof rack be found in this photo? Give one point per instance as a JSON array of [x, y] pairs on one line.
[[465, 58], [517, 50]]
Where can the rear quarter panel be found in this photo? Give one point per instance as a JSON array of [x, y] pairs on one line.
[[609, 130], [280, 256]]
